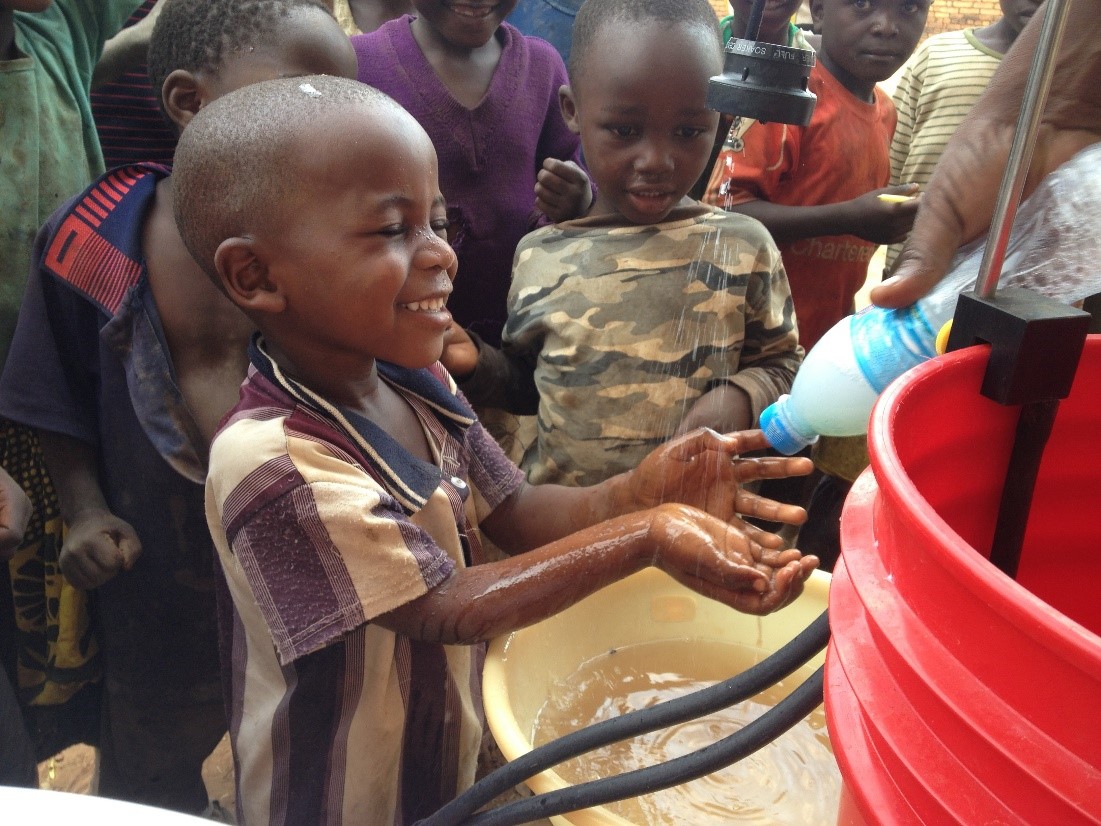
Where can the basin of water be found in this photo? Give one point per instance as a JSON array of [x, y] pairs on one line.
[[643, 640]]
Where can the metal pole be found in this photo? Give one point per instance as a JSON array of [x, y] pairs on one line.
[[1024, 142]]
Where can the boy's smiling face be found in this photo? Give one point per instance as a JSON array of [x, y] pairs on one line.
[[466, 23], [358, 250], [640, 107], [866, 41]]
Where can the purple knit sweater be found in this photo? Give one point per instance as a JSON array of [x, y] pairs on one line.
[[488, 156]]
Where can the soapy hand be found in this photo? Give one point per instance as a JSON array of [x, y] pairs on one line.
[[707, 470], [98, 546], [884, 216], [724, 563]]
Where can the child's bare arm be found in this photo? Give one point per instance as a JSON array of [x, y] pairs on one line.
[[15, 513], [562, 190], [724, 408], [868, 217], [716, 559], [98, 545]]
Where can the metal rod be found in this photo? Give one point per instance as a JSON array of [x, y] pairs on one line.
[[1024, 142]]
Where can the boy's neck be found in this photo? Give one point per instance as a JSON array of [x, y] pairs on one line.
[[861, 89], [998, 36]]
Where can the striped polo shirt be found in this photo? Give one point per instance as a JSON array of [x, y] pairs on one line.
[[937, 88], [322, 522]]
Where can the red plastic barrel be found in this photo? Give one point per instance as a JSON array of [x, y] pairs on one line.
[[955, 694]]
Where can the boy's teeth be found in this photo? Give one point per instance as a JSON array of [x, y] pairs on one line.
[[432, 304]]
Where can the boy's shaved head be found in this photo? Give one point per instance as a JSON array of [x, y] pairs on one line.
[[197, 35], [594, 15], [235, 162]]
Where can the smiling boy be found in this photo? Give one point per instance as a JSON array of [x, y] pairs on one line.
[[349, 489]]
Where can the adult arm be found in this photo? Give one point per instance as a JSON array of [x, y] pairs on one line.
[[958, 202]]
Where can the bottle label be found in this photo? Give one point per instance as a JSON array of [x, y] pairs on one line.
[[887, 343]]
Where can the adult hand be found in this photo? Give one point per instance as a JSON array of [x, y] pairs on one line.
[[958, 203], [98, 546]]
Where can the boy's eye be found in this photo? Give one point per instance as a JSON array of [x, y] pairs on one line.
[[439, 226], [394, 231], [689, 132], [622, 131]]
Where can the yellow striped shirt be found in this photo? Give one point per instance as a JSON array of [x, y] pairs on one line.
[[939, 85]]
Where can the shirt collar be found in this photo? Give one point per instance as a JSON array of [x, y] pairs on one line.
[[410, 480]]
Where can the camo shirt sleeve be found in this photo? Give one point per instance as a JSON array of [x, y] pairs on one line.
[[628, 326]]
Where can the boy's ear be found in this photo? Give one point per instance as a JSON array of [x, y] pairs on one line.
[[245, 277], [183, 95], [568, 105]]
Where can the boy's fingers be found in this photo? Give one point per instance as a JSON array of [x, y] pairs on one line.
[[752, 504], [771, 467]]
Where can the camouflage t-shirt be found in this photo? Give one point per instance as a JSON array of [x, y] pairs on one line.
[[626, 327]]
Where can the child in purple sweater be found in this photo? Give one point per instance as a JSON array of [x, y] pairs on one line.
[[488, 97]]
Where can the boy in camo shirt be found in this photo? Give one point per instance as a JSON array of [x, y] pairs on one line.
[[653, 314]]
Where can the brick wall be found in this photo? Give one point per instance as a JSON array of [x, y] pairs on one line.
[[944, 15]]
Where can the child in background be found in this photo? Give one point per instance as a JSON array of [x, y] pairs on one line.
[[124, 360], [776, 23], [488, 97], [348, 490], [48, 151], [816, 187], [939, 85], [126, 108], [17, 763], [655, 313]]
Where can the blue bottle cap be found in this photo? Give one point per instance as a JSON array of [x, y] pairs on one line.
[[781, 431]]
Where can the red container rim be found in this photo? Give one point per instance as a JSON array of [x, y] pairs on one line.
[[1013, 601]]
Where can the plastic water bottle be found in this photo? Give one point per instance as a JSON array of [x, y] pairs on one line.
[[1053, 249], [846, 370]]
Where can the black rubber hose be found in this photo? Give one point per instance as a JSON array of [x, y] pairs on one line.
[[750, 682], [718, 755]]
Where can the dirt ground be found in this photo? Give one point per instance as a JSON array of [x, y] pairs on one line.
[[72, 771]]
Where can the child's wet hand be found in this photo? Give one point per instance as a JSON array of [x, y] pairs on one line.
[[707, 470], [460, 353], [562, 190], [98, 546], [726, 563]]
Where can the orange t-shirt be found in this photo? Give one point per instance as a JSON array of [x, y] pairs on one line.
[[841, 154]]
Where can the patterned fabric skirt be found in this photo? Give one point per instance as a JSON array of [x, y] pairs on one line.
[[56, 651]]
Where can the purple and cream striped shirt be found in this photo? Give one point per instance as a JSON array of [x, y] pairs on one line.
[[323, 522]]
